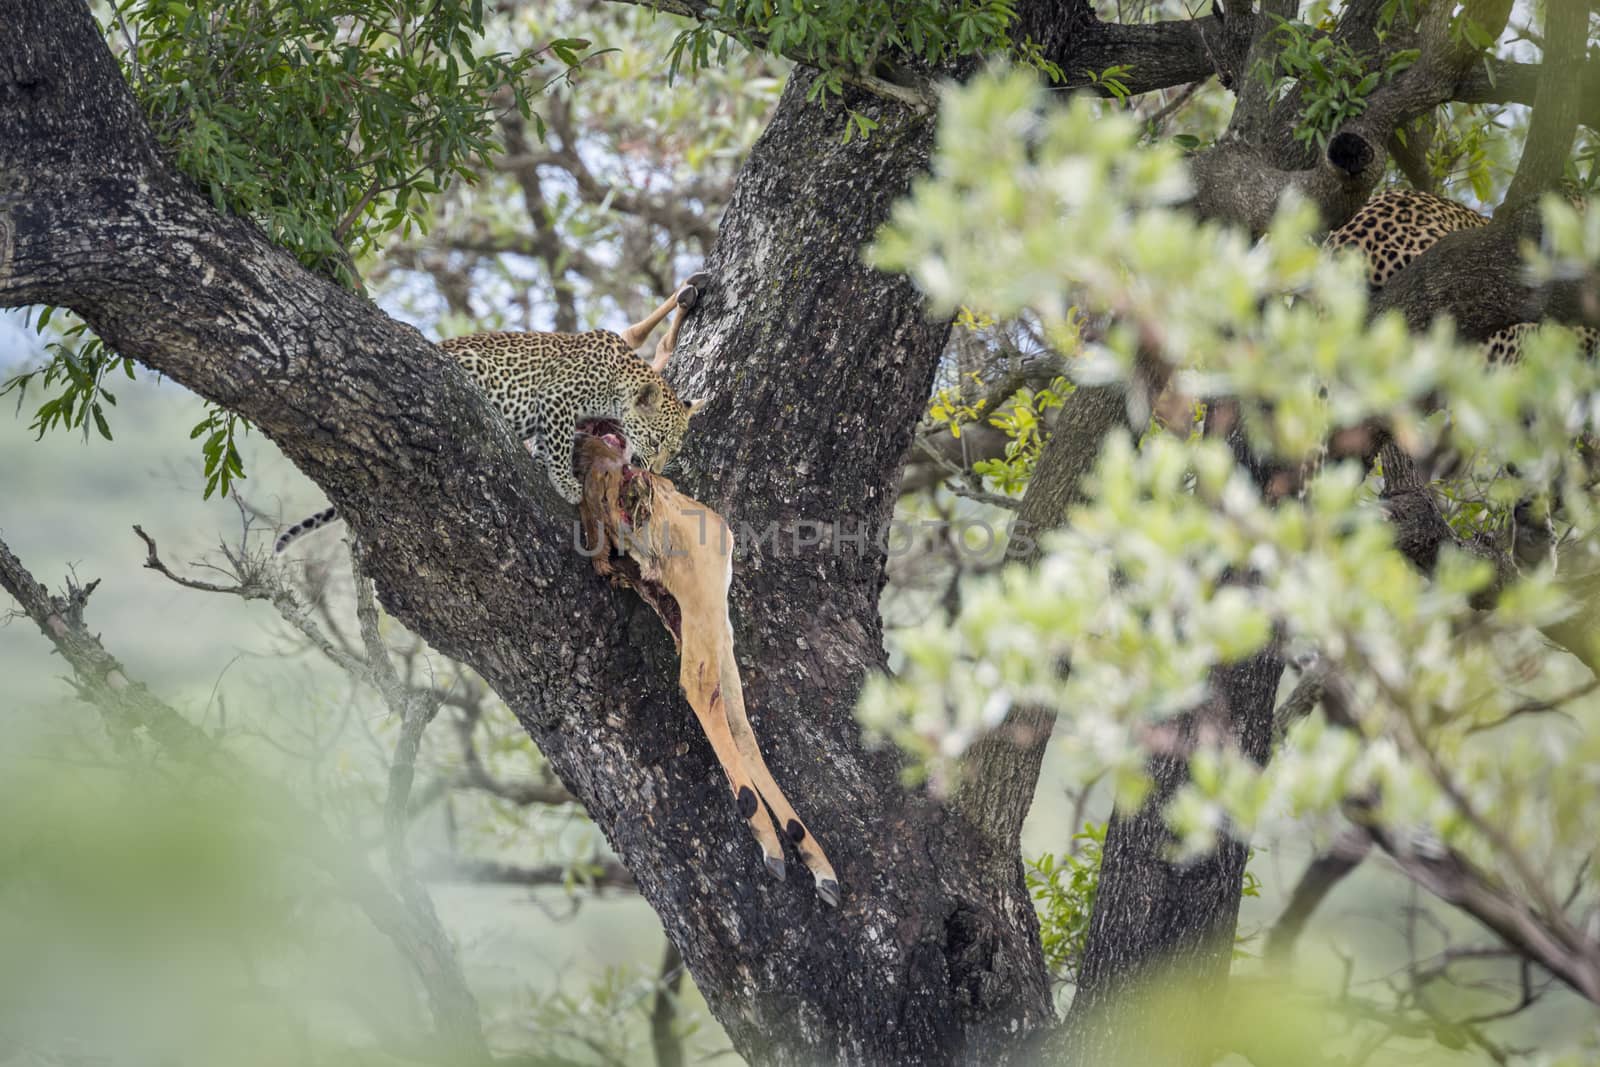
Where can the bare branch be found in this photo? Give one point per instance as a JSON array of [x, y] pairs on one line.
[[1324, 874], [100, 679], [664, 1042], [1503, 82], [256, 580], [475, 775], [1453, 879], [607, 875]]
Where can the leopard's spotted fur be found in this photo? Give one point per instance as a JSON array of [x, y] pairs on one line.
[[1395, 227], [546, 384]]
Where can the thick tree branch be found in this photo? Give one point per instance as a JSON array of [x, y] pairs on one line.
[[1161, 54], [1505, 82], [1557, 109], [1153, 916], [818, 368], [1476, 277], [1000, 773], [1243, 178]]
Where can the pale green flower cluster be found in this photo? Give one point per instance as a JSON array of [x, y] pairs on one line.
[[1178, 563]]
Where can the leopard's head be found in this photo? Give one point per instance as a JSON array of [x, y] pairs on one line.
[[655, 421]]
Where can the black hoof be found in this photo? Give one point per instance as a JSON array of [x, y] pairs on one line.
[[689, 293], [777, 868], [828, 890]]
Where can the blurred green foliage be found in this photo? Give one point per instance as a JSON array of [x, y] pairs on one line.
[[160, 914], [1140, 590]]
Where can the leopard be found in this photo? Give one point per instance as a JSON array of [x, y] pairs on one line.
[[1396, 226], [550, 387]]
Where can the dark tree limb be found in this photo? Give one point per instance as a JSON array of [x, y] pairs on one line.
[[1504, 82], [1322, 876], [1153, 916], [1243, 177], [1000, 773], [1174, 52]]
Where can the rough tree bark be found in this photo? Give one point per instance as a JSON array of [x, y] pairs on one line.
[[817, 368]]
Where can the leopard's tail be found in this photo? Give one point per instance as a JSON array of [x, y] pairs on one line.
[[305, 526]]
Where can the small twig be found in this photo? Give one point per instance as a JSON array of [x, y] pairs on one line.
[[153, 562], [254, 582], [1536, 707], [342, 229], [133, 48], [664, 1042], [606, 875], [959, 488], [1172, 107]]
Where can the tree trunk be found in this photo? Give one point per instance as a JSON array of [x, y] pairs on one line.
[[817, 368], [1161, 920]]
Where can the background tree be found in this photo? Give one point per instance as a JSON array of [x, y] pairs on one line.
[[821, 367]]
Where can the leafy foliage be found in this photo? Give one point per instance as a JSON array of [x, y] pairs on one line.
[[1022, 420], [223, 466], [1333, 80], [1141, 591], [1112, 80], [1063, 893], [328, 122], [845, 40], [78, 367]]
